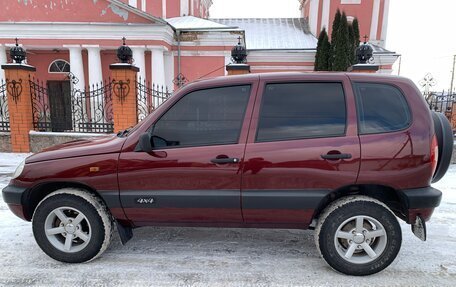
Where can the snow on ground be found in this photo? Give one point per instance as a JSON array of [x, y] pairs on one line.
[[224, 257]]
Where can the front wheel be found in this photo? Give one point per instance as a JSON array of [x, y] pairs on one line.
[[71, 225], [358, 235]]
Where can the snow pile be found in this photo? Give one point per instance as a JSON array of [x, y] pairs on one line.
[[224, 257]]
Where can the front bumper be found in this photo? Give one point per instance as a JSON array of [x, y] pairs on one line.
[[420, 202], [13, 196]]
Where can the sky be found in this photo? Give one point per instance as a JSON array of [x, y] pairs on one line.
[[419, 30]]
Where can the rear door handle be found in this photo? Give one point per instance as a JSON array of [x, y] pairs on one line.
[[223, 160], [336, 156]]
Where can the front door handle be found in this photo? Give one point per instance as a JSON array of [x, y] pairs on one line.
[[223, 160], [336, 156]]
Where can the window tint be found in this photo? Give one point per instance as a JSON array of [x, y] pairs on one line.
[[381, 108], [205, 117], [301, 110]]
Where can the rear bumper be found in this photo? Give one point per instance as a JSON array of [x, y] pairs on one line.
[[13, 197], [420, 202]]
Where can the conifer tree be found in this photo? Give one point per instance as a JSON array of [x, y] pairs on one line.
[[323, 52], [340, 43], [356, 38], [351, 45], [334, 36]]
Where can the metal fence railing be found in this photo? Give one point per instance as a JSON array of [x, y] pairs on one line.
[[150, 96], [4, 112]]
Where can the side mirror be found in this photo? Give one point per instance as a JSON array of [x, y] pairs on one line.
[[145, 143]]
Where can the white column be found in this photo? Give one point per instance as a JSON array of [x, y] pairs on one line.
[[385, 22], [94, 63], [158, 65], [313, 16], [3, 60], [76, 66], [143, 5], [183, 7], [164, 9], [169, 70], [374, 22], [139, 60], [325, 14], [158, 69]]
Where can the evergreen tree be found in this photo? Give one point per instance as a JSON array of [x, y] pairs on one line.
[[323, 52], [356, 39], [351, 45], [340, 44], [334, 36], [356, 32]]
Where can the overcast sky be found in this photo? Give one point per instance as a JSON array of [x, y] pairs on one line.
[[419, 30]]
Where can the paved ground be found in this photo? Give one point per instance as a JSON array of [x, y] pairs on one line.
[[224, 257]]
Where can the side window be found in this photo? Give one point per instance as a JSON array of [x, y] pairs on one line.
[[205, 117], [381, 108], [301, 110]]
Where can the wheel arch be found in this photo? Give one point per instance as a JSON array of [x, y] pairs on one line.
[[40, 191], [389, 196]]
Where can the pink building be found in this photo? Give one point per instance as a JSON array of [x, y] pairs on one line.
[[172, 37]]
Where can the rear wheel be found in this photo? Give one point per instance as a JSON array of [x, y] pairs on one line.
[[358, 235], [71, 225], [444, 135]]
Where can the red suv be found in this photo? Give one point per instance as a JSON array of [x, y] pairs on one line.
[[344, 154]]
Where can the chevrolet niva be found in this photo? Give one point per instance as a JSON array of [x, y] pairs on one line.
[[345, 154]]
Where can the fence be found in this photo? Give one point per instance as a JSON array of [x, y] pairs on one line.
[[89, 111], [66, 110], [445, 103], [4, 115], [150, 96]]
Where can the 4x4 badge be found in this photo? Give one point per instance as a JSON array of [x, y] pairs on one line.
[[145, 200]]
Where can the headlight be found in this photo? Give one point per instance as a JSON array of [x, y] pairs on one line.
[[19, 169]]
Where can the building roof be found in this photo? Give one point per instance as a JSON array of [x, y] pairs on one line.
[[274, 33], [195, 23]]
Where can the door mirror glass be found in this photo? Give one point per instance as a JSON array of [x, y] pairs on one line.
[[145, 143]]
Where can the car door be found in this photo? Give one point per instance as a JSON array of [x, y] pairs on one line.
[[193, 173], [302, 145]]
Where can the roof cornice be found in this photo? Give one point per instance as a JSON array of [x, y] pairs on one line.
[[137, 11]]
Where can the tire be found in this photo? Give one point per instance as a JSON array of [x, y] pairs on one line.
[[346, 248], [72, 225], [444, 136]]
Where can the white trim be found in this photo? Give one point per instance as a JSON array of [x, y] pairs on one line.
[[133, 3], [183, 8], [169, 70], [325, 14], [76, 65], [385, 22], [313, 16], [203, 53], [227, 61], [281, 56], [192, 7], [143, 5], [3, 60], [385, 71], [374, 22], [224, 39], [49, 67], [139, 59], [282, 68], [164, 9], [349, 2], [92, 31]]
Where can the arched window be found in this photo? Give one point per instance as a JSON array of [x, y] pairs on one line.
[[59, 66]]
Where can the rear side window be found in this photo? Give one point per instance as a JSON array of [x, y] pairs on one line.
[[204, 117], [381, 108], [301, 110]]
